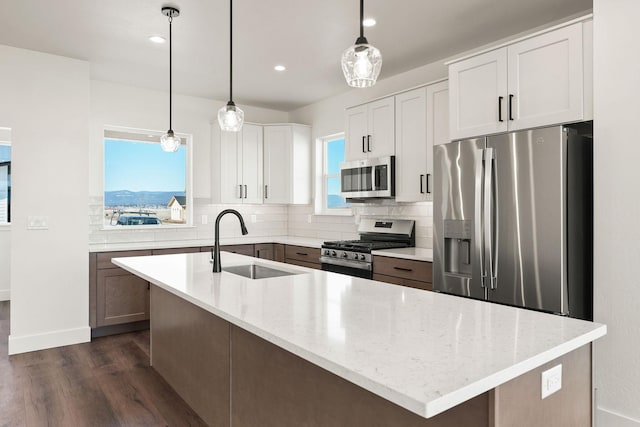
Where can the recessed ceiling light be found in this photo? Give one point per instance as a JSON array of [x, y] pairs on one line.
[[157, 39], [279, 68], [369, 22]]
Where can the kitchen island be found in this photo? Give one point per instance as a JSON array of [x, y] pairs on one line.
[[319, 348]]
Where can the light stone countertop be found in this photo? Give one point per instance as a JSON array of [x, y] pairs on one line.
[[170, 244], [425, 351]]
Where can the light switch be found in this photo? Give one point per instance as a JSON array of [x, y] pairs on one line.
[[37, 222], [551, 381]]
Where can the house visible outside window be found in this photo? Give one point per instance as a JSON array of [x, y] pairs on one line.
[[5, 176], [329, 155], [143, 185]]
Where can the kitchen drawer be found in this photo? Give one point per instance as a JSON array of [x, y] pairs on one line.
[[104, 258], [420, 271], [175, 251], [404, 282], [304, 264], [238, 249], [302, 253]]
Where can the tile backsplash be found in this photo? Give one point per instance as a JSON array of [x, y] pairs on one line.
[[265, 220], [302, 222]]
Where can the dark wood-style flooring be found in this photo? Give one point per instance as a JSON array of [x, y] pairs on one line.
[[107, 382]]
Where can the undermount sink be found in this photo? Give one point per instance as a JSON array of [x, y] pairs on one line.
[[256, 271]]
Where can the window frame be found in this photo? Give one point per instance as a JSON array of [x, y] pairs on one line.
[[322, 178], [5, 140], [149, 136]]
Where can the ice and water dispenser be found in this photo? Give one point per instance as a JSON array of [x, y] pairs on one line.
[[457, 247]]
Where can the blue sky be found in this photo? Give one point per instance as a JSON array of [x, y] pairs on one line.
[[335, 155], [5, 153], [141, 166]]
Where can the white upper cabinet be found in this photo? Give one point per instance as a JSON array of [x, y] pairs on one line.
[[370, 130], [241, 165], [287, 164], [422, 121], [535, 82]]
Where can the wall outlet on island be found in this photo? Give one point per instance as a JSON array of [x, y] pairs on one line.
[[551, 381]]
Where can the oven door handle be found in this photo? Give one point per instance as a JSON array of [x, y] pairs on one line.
[[345, 263]]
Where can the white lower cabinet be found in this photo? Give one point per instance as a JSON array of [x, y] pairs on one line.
[[241, 165], [287, 164], [422, 121]]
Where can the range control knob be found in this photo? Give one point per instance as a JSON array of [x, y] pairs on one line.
[[333, 253], [362, 257], [327, 252], [355, 256], [344, 255]]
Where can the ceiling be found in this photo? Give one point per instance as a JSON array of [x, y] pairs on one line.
[[306, 36]]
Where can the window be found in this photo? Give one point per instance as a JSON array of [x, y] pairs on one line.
[[329, 155], [143, 185], [5, 176]]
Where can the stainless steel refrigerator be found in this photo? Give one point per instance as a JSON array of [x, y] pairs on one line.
[[513, 219]]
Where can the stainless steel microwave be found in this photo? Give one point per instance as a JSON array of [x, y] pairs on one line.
[[370, 178]]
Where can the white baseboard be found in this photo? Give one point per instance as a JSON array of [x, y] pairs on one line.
[[5, 294], [605, 418], [26, 343]]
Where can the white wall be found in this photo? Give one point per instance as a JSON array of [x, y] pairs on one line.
[[617, 210], [126, 106], [5, 262], [45, 101]]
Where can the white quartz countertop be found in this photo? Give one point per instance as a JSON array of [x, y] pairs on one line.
[[169, 244], [427, 352], [417, 254]]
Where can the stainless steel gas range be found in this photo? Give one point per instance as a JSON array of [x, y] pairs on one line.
[[353, 257]]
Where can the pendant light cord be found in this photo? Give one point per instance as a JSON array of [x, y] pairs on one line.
[[361, 18], [170, 74], [231, 50]]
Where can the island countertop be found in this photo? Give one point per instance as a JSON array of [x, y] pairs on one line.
[[426, 352]]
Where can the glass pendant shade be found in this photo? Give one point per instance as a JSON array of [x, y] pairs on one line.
[[230, 117], [169, 142], [361, 64]]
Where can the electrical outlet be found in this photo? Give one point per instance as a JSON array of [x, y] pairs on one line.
[[309, 219], [254, 218], [37, 222], [205, 220], [551, 381]]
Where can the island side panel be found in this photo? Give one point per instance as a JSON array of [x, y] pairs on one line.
[[190, 350], [273, 387], [519, 403]]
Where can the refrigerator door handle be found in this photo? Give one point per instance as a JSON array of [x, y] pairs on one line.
[[489, 158], [479, 228]]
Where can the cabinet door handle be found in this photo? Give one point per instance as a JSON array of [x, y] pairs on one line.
[[241, 195], [403, 269], [421, 189], [428, 191], [510, 107], [245, 191], [363, 150], [500, 98], [301, 254], [266, 191], [257, 253], [368, 143], [148, 286]]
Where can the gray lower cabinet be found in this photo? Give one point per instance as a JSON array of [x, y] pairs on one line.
[[405, 272], [264, 251]]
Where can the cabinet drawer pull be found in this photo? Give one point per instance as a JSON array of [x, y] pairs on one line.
[[500, 98], [403, 269], [511, 107], [301, 254], [421, 189]]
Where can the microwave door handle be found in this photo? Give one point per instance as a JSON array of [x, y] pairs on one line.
[[488, 219], [376, 178]]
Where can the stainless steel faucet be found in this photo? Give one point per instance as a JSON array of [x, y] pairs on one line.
[[215, 252]]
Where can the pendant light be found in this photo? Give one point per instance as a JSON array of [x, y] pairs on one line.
[[361, 62], [230, 117], [169, 142]]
